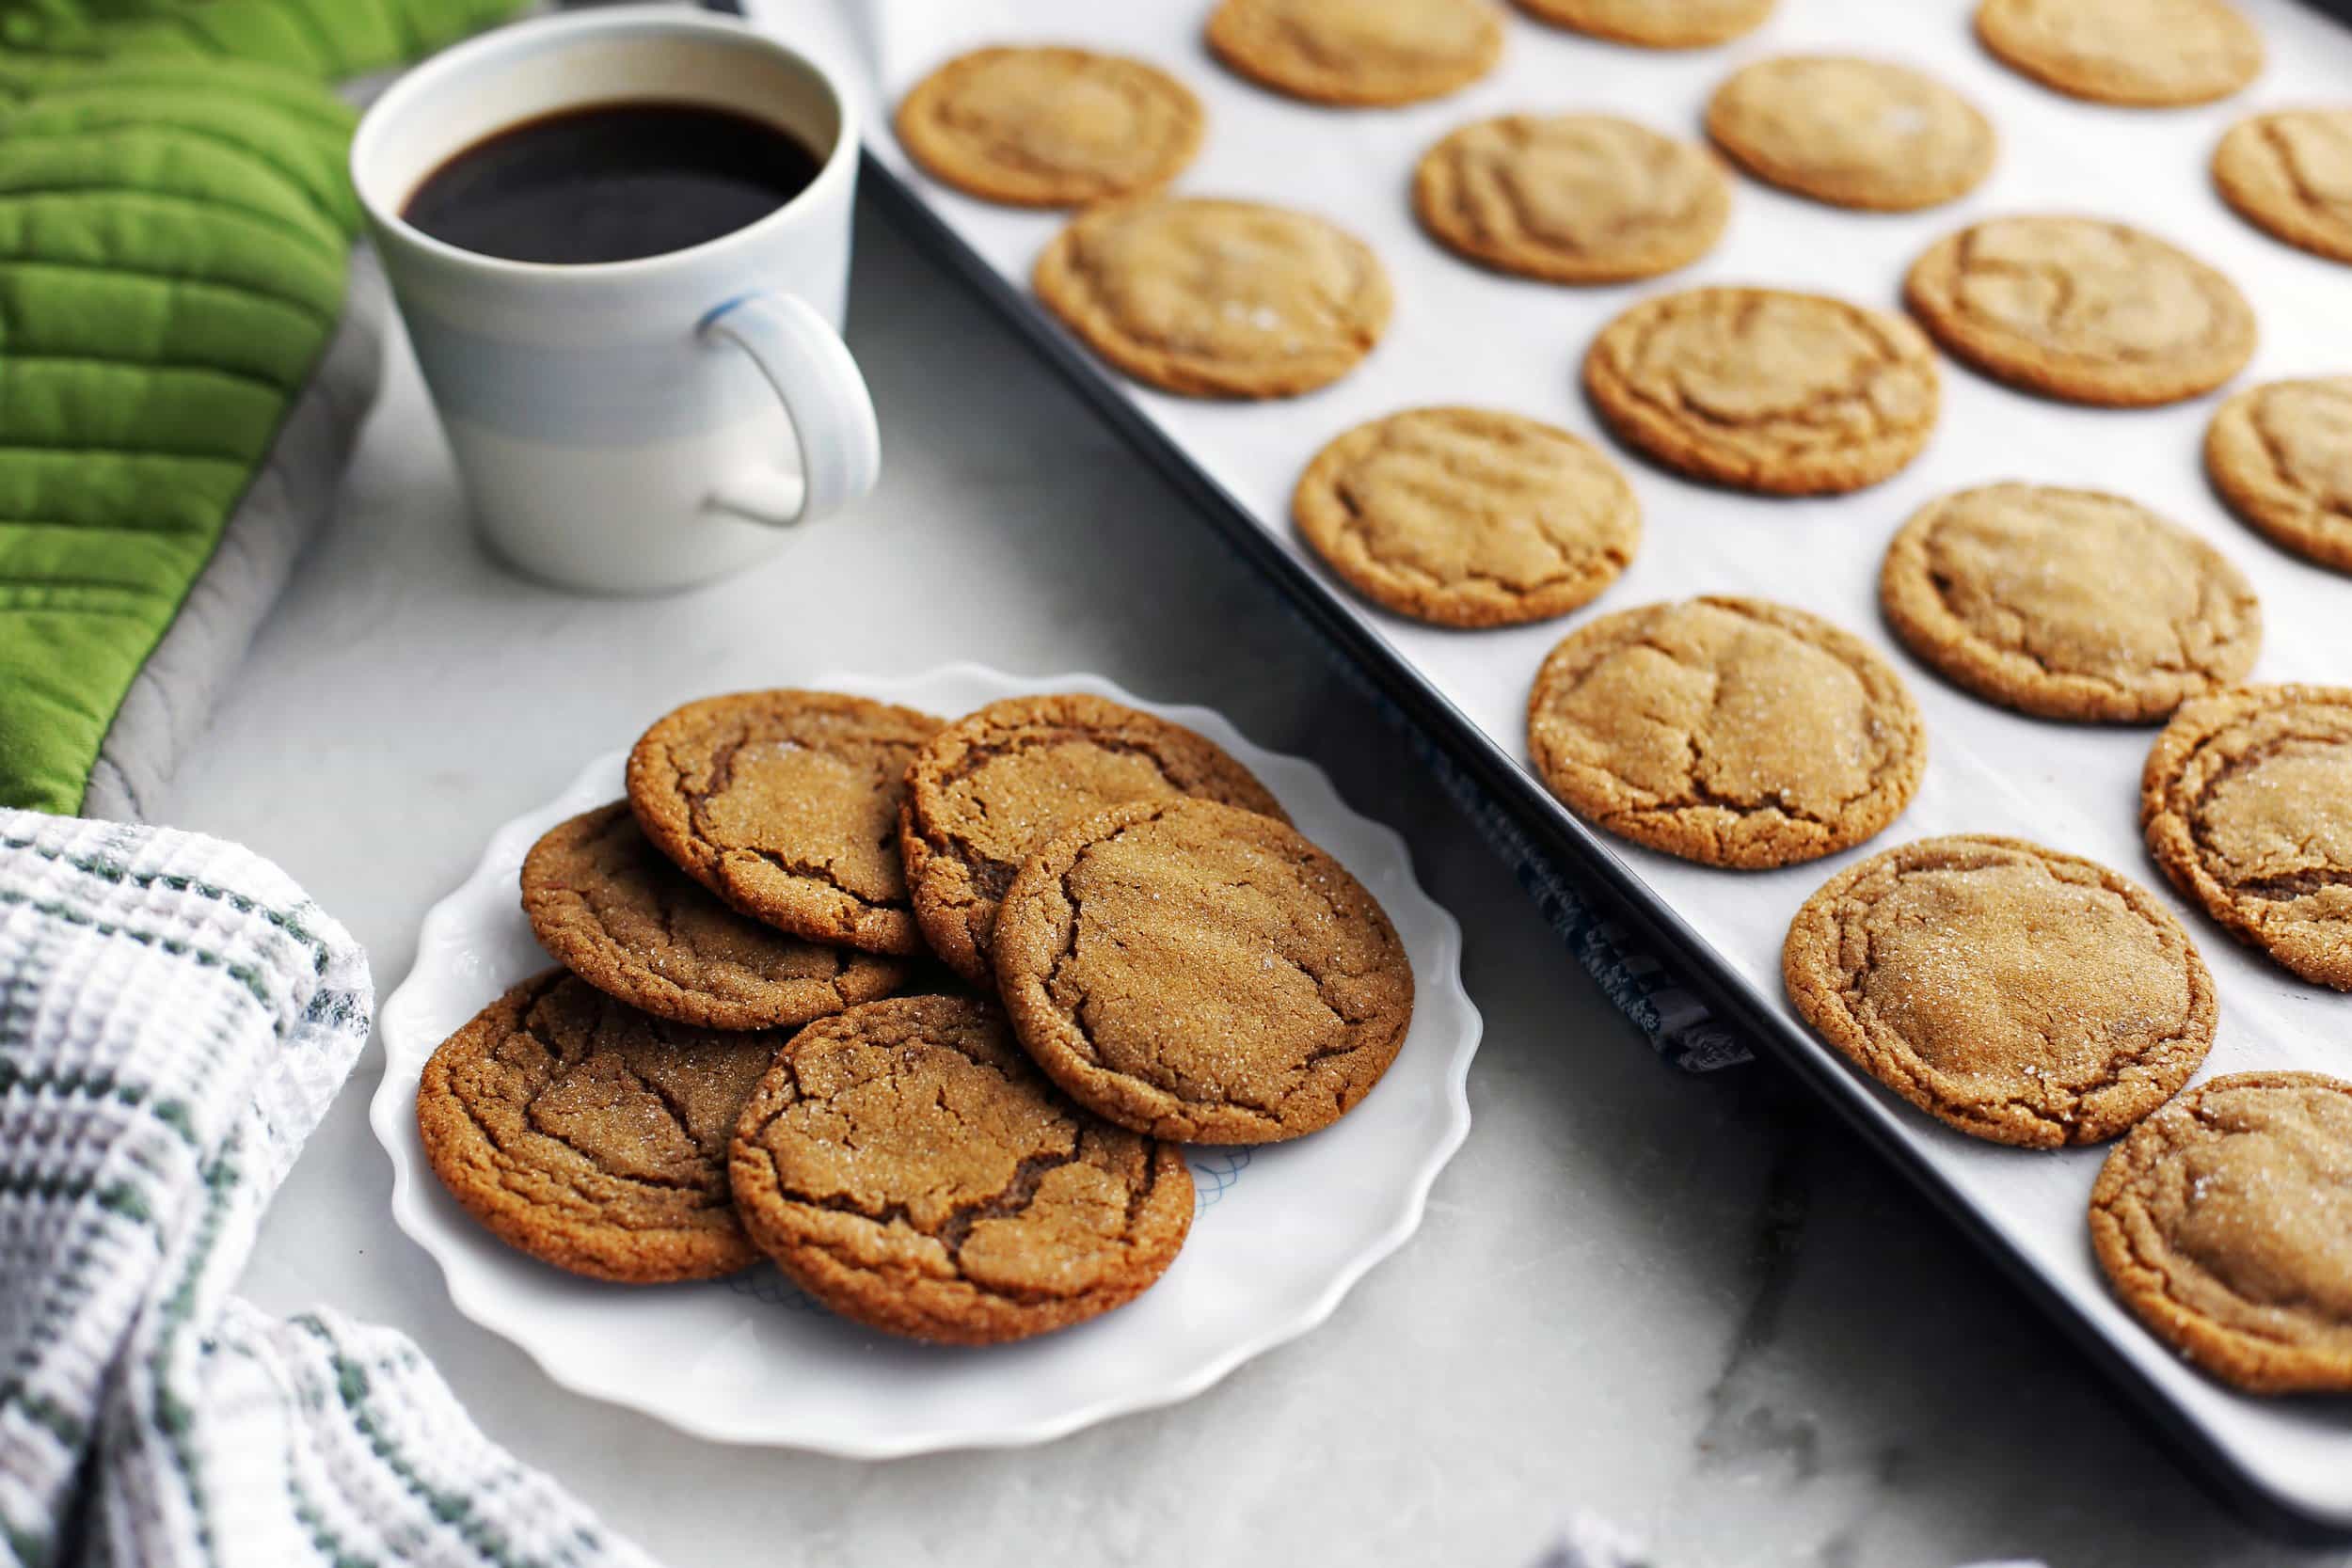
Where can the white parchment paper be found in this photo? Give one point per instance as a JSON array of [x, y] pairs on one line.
[[1463, 335]]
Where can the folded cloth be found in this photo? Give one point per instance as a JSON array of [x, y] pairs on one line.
[[174, 1018]]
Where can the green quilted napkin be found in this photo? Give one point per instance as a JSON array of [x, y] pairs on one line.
[[175, 224], [173, 254], [328, 40]]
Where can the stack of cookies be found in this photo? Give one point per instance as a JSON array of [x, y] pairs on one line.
[[1114, 943]]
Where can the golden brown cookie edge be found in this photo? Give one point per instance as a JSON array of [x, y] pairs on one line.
[[1320, 519], [1659, 831], [2172, 844], [912, 1309], [1916, 614], [1812, 941], [444, 1129], [2243, 1360], [936, 155], [1128, 1101]]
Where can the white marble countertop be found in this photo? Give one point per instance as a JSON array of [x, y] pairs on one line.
[[1687, 1304]]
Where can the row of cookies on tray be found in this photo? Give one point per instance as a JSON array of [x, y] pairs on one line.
[[1045, 126], [1144, 951], [1762, 390]]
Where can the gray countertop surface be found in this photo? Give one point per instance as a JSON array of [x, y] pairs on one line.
[[1687, 1304]]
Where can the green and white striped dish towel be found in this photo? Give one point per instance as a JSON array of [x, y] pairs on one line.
[[174, 1018]]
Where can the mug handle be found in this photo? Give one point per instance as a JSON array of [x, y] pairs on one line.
[[805, 360]]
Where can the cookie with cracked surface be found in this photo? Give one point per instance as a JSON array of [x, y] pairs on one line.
[[1572, 198], [907, 1166], [2289, 174], [2224, 1222], [1786, 393], [1219, 299], [1050, 127], [785, 804], [1733, 732], [2068, 604], [1655, 24], [1468, 516], [990, 787], [591, 1135], [609, 906], [1852, 133], [2082, 309], [2144, 54], [1198, 972], [2247, 803], [1359, 52], [2280, 454], [2018, 994]]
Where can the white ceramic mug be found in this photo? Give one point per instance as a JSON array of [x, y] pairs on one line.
[[632, 426]]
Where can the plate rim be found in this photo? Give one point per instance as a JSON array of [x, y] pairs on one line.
[[391, 1110]]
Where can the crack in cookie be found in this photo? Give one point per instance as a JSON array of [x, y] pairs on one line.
[[2247, 803], [2082, 309], [1199, 971], [910, 1169], [1852, 132], [2068, 604], [2280, 454], [1785, 393], [2224, 1222], [2290, 175], [1223, 299], [1466, 516], [592, 1135], [2015, 993], [1734, 732], [2148, 53], [785, 805], [1572, 198], [990, 787], [1042, 127], [610, 908], [1359, 52]]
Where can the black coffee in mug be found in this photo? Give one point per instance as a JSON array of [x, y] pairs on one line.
[[612, 183]]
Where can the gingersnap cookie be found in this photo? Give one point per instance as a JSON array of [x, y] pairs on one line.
[[1468, 516], [2150, 53], [2082, 309], [2224, 1222], [1221, 300], [2280, 454], [2068, 604], [2247, 803], [1852, 132], [2290, 175], [990, 787], [2018, 994], [1732, 732], [591, 1135], [1198, 972], [1572, 198], [909, 1167], [1655, 24], [1359, 52], [610, 908], [1044, 127], [785, 805], [1786, 393]]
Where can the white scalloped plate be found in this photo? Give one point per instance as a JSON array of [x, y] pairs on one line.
[[1280, 1235]]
